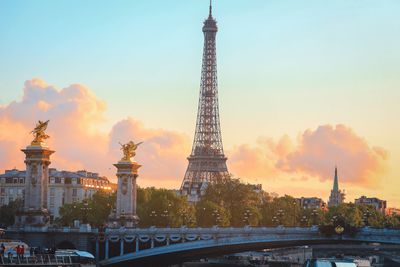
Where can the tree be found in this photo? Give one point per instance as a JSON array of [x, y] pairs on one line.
[[94, 211], [281, 210], [356, 215], [235, 198], [162, 207], [8, 212], [209, 213]]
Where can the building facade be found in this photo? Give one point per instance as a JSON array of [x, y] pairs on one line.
[[378, 204], [337, 196], [64, 187], [311, 203], [393, 211]]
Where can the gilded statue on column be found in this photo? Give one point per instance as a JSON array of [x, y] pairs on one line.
[[128, 150], [39, 133]]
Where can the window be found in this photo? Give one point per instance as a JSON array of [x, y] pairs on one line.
[[21, 180], [74, 192], [2, 191], [15, 180]]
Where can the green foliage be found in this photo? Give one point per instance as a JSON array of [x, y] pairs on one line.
[[162, 207], [8, 212], [285, 209], [237, 203], [228, 202], [94, 211], [209, 213], [356, 215]]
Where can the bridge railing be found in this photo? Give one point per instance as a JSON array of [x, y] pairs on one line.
[[167, 236], [37, 260]]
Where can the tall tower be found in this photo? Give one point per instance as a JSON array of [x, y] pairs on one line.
[[337, 196], [207, 161]]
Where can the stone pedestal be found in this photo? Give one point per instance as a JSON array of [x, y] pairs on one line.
[[35, 211], [125, 213]]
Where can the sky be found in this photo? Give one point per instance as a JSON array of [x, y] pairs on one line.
[[303, 86]]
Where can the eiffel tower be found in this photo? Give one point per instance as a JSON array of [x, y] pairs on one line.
[[207, 162]]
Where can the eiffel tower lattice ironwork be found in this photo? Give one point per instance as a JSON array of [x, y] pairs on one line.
[[207, 161]]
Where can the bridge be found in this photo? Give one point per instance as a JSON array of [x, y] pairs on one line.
[[141, 247]]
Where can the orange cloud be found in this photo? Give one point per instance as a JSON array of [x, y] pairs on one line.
[[318, 150], [314, 155], [75, 114]]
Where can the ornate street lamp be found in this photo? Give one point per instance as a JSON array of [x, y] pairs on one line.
[[294, 212], [280, 213], [304, 220], [217, 217], [183, 216], [275, 220], [366, 216], [314, 214], [85, 209], [246, 217], [153, 216]]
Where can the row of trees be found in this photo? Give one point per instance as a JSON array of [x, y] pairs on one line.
[[228, 202]]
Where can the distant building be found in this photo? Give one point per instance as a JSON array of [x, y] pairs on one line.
[[337, 196], [65, 187], [392, 211], [311, 203], [379, 205]]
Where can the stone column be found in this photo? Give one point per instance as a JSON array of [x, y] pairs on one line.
[[37, 160], [125, 214]]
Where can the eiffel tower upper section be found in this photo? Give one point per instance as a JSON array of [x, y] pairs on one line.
[[207, 161]]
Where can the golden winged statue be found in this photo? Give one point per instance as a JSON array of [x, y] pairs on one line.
[[38, 132], [129, 150]]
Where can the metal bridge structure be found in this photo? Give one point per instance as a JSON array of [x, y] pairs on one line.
[[155, 246], [207, 161]]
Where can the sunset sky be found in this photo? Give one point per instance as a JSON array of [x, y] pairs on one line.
[[303, 86]]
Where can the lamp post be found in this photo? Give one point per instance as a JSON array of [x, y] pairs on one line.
[[294, 212], [334, 220], [279, 214], [122, 218], [217, 217], [183, 216], [304, 221], [85, 210], [366, 216], [246, 217], [153, 216], [275, 220], [314, 215]]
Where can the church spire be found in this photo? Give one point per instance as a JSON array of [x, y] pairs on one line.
[[335, 181]]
